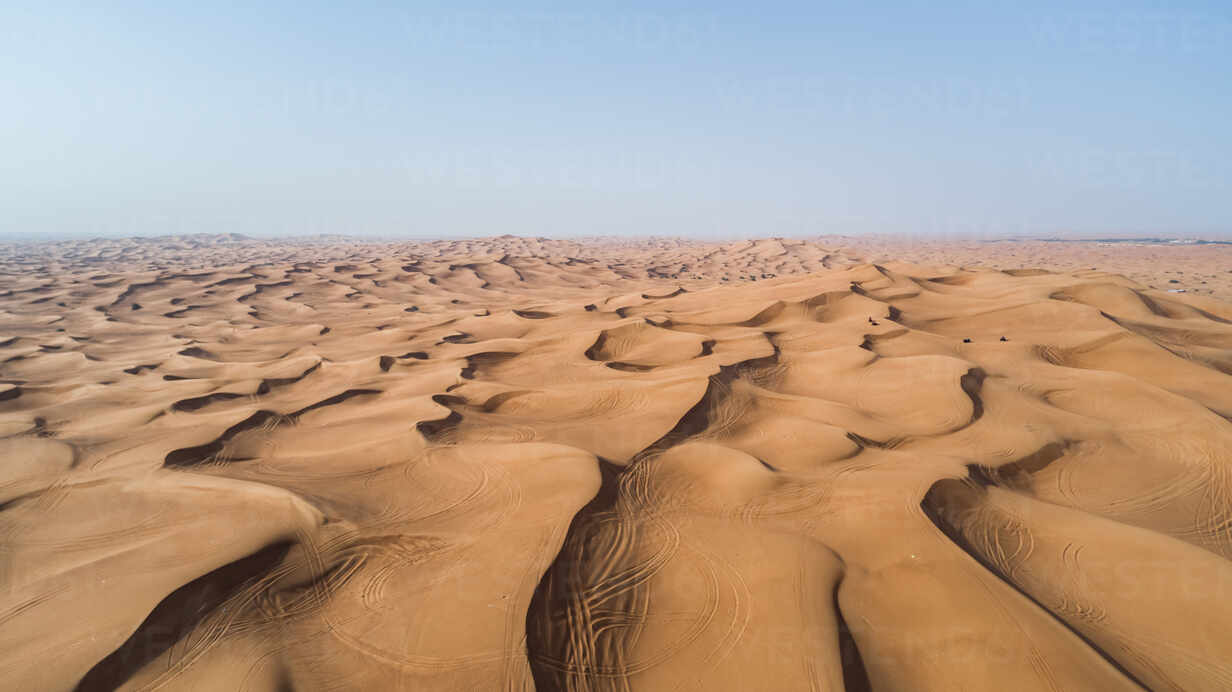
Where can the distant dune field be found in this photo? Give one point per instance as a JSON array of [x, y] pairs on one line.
[[596, 464]]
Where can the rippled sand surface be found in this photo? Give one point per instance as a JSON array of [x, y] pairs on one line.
[[611, 465]]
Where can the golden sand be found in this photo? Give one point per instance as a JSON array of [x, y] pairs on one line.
[[519, 463]]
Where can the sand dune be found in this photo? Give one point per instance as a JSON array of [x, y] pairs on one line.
[[519, 463]]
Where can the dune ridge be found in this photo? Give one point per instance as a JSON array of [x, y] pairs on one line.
[[606, 465]]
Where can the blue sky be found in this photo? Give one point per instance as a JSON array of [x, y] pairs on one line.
[[558, 119]]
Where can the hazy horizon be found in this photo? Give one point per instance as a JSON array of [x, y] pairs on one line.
[[974, 120], [54, 237]]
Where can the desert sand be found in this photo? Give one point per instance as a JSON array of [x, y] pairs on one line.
[[519, 463]]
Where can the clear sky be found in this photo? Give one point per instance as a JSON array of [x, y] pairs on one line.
[[646, 118]]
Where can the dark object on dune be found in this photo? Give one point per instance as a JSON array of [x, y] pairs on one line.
[[966, 341], [1004, 339]]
